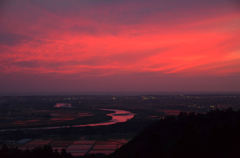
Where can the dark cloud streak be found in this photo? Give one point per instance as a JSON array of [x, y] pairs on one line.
[[12, 39]]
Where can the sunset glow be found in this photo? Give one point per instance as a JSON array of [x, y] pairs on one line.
[[103, 45]]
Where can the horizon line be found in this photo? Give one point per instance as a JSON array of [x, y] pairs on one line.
[[119, 93]]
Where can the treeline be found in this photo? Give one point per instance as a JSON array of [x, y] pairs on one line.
[[40, 152], [215, 134]]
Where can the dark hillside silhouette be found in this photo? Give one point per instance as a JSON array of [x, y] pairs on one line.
[[215, 134]]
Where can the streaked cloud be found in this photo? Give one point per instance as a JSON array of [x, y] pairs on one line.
[[105, 38]]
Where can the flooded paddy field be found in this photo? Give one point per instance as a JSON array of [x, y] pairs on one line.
[[78, 147]]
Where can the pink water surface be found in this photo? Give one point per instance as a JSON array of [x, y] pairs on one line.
[[118, 116]]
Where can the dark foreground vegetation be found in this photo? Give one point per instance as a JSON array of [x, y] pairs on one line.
[[41, 152], [215, 134]]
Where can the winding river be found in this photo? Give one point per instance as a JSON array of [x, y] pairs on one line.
[[118, 116]]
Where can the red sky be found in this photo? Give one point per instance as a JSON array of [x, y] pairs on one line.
[[125, 45]]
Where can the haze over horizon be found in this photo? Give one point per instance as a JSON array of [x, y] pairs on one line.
[[70, 46]]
